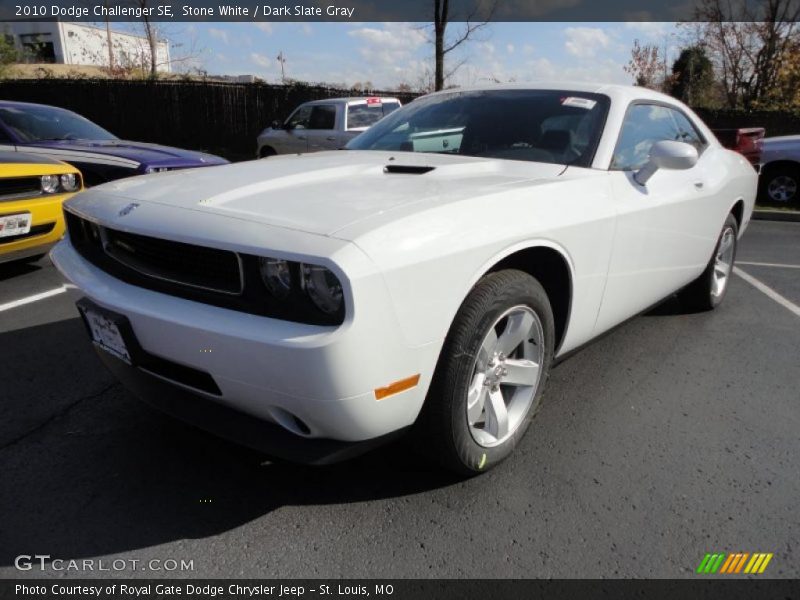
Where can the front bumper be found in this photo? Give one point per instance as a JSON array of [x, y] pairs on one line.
[[267, 368], [232, 424], [46, 216]]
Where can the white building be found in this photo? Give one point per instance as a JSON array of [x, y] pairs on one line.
[[82, 44]]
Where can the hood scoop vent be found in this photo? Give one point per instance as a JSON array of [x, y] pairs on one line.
[[407, 169]]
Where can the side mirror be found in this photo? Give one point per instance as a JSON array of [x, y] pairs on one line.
[[277, 125], [667, 155]]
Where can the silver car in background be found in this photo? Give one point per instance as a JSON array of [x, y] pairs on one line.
[[324, 125]]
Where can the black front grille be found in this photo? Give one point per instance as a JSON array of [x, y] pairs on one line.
[[35, 230], [208, 275], [195, 266], [20, 186], [138, 256]]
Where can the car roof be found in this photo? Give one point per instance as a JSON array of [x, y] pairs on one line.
[[613, 90], [349, 100]]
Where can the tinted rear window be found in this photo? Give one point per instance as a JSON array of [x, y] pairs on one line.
[[364, 115]]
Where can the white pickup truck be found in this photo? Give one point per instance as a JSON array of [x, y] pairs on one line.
[[324, 125]]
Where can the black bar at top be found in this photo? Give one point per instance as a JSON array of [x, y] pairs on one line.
[[372, 10]]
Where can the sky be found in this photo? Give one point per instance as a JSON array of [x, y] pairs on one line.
[[388, 54]]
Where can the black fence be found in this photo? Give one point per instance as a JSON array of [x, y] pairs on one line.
[[222, 118], [226, 118], [776, 122]]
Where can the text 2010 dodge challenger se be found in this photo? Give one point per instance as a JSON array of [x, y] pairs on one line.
[[425, 278]]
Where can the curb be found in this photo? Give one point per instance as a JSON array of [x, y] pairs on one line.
[[776, 215]]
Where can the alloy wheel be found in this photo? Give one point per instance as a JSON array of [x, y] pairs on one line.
[[505, 376], [782, 189], [723, 263]]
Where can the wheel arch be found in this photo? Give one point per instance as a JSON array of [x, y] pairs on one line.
[[737, 210], [777, 164], [550, 264]]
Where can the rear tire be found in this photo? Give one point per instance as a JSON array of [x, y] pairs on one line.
[[707, 291], [491, 374], [266, 152], [780, 185]]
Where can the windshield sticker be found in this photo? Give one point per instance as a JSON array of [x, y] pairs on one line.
[[578, 102]]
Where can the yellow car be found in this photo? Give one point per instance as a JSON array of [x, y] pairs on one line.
[[32, 190]]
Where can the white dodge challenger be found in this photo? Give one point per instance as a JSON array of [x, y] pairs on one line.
[[423, 279]]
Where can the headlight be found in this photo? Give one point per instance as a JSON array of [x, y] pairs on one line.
[[276, 276], [156, 169], [70, 182], [50, 184], [294, 291], [323, 288]]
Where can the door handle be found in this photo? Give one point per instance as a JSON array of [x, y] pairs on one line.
[[331, 138], [699, 185], [301, 137]]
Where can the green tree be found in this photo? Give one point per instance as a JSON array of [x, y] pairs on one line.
[[785, 94], [8, 54], [692, 78]]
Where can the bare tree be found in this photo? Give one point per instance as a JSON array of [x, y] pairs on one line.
[[748, 43], [151, 33], [644, 65], [148, 58], [478, 16]]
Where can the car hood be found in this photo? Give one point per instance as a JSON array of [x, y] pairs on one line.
[[787, 142], [143, 153], [324, 192]]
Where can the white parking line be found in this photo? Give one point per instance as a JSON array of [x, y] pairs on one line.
[[760, 264], [768, 291], [34, 298]]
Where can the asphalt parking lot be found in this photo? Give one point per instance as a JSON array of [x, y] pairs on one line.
[[675, 435]]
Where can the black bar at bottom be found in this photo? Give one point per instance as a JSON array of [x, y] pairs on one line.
[[411, 589]]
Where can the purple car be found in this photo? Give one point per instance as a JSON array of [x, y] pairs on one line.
[[99, 155]]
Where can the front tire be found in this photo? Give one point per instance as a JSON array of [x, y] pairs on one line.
[[707, 291], [491, 374]]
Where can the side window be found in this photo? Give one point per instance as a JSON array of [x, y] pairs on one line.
[[687, 132], [4, 139], [323, 117], [644, 125], [299, 118]]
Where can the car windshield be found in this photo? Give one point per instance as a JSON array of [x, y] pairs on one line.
[[549, 126], [39, 123]]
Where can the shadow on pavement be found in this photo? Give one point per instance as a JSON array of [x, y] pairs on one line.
[[672, 307], [17, 268], [95, 471]]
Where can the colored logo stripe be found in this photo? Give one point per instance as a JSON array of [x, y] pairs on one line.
[[732, 563]]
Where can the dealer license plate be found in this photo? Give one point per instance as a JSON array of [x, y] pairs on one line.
[[18, 224], [106, 334]]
